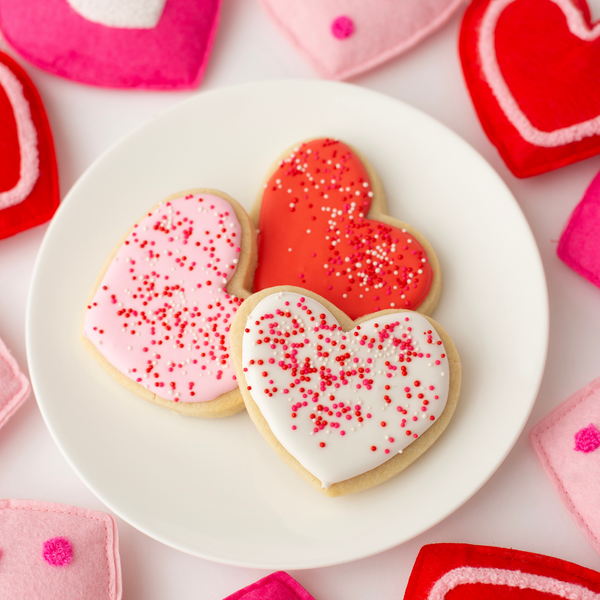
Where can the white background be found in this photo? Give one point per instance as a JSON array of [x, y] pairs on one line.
[[516, 508]]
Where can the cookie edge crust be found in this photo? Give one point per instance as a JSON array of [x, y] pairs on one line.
[[386, 470], [377, 212], [239, 285]]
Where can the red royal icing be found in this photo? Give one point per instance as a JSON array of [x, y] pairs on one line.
[[313, 233]]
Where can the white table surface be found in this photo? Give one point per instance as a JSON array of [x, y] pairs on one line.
[[516, 508]]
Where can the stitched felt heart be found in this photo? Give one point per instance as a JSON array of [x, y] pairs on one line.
[[322, 226], [531, 67], [468, 572], [58, 552], [347, 404], [14, 387], [567, 444], [29, 192], [579, 245], [115, 52], [342, 38], [276, 586], [161, 309]]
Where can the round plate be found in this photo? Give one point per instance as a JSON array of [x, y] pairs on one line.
[[214, 488]]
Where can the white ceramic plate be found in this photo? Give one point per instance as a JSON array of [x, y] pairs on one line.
[[215, 489]]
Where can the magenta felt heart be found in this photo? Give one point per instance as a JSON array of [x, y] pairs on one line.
[[127, 44], [342, 38]]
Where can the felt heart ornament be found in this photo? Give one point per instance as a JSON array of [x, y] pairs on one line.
[[29, 193], [276, 586], [323, 226], [159, 315], [531, 67], [342, 38], [58, 552], [567, 444], [14, 387], [579, 245], [151, 44], [469, 572], [347, 404]]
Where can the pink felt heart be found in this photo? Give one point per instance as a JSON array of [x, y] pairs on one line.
[[579, 245], [276, 586], [567, 444], [14, 387], [57, 552], [342, 401], [172, 55], [342, 38]]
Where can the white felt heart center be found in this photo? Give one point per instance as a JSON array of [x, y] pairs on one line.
[[130, 14], [342, 403]]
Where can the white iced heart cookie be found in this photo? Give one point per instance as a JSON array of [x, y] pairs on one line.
[[126, 14], [347, 404]]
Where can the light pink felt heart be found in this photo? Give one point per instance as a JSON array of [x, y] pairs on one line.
[[57, 552], [14, 387], [342, 38]]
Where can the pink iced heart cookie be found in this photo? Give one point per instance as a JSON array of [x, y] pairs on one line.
[[14, 387], [347, 404], [58, 552], [567, 443], [160, 312], [342, 38], [152, 44]]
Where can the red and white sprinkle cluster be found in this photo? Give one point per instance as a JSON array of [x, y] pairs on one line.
[[162, 313], [335, 398]]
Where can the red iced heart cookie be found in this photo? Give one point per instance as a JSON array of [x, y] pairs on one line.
[[29, 192], [467, 572], [347, 404], [322, 226], [531, 67], [160, 312]]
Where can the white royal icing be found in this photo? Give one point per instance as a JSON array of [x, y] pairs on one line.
[[126, 14], [382, 358]]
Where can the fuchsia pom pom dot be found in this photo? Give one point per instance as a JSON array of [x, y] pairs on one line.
[[587, 439], [342, 27], [58, 551]]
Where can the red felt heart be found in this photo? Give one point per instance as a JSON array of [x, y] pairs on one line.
[[314, 233], [466, 572], [29, 192], [531, 67]]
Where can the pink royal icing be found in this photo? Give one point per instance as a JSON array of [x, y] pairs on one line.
[[162, 314], [342, 403]]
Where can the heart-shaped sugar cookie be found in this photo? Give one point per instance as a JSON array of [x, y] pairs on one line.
[[323, 226], [347, 404], [160, 313], [342, 38], [531, 67]]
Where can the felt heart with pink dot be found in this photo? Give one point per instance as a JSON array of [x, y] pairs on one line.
[[160, 314], [342, 38], [323, 226], [152, 44], [54, 551], [347, 404]]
